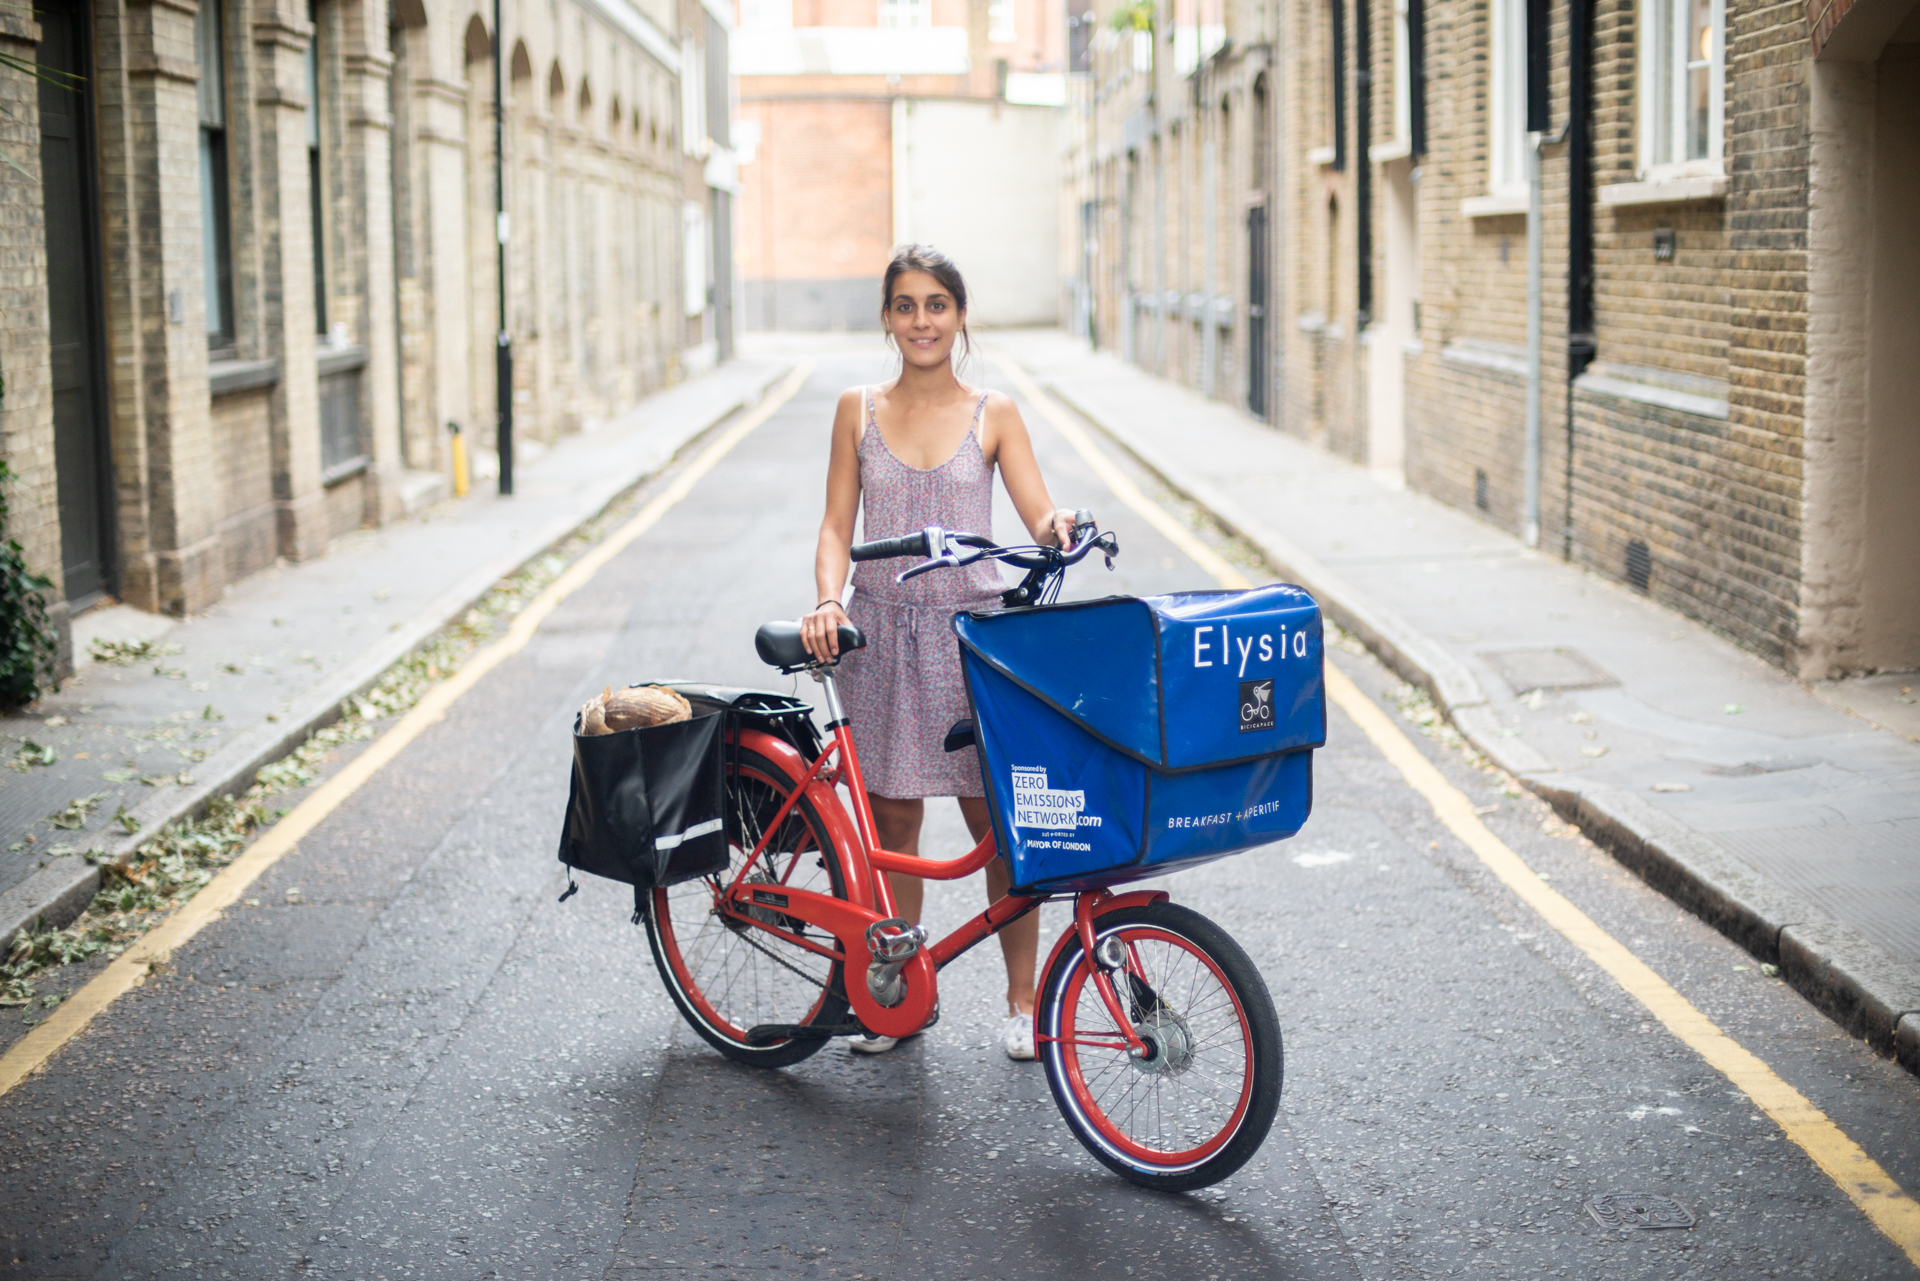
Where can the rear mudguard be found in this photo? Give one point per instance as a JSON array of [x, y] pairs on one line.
[[826, 803], [846, 920]]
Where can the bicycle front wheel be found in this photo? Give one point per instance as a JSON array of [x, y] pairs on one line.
[[1199, 1105], [729, 977]]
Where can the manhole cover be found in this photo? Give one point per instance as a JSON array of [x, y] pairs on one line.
[[1636, 1210], [1526, 669]]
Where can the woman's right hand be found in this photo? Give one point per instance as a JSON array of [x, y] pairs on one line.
[[820, 631]]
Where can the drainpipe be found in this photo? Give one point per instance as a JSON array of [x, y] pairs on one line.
[[503, 354], [1580, 343], [1538, 70], [1530, 518], [1363, 167]]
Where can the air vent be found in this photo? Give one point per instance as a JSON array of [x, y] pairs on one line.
[[1480, 488], [1639, 565]]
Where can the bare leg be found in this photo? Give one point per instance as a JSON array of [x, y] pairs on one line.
[[898, 822], [1019, 942]]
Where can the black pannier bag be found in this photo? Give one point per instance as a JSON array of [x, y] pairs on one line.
[[647, 807]]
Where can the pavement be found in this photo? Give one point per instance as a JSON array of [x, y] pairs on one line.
[[212, 698], [398, 1056], [1786, 814]]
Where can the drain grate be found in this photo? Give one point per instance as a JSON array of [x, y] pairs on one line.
[[1639, 1210], [1525, 669]]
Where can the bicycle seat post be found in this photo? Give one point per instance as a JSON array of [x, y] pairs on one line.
[[836, 715]]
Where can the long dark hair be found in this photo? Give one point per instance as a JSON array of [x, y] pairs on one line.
[[936, 264]]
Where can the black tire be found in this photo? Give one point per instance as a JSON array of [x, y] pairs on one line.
[[1207, 1106], [727, 979]]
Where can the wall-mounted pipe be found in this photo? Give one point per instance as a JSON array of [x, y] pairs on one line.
[[1580, 342]]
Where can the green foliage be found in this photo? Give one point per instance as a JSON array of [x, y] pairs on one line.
[[27, 645], [171, 866], [1133, 15]]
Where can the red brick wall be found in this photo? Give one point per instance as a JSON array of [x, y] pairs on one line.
[[816, 204]]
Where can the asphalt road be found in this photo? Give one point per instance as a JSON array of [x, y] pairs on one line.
[[402, 1058]]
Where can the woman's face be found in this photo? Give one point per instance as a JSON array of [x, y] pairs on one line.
[[923, 319]]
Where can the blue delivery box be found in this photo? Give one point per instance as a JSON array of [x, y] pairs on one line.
[[1129, 737]]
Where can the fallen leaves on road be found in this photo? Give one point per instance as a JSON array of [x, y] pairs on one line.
[[74, 816], [31, 754], [171, 867]]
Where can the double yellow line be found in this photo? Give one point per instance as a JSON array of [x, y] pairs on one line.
[[131, 968], [1858, 1175]]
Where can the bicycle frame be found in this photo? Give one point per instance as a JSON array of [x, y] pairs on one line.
[[869, 898]]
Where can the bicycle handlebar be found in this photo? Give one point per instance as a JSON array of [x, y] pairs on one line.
[[888, 548]]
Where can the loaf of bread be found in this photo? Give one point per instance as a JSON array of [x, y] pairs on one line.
[[635, 707]]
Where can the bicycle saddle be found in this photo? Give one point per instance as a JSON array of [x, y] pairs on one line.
[[779, 645]]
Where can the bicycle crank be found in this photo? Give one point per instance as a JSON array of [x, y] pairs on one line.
[[893, 942]]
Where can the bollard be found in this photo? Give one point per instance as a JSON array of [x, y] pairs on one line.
[[460, 477]]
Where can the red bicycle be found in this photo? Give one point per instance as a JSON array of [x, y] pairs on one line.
[[1159, 1038]]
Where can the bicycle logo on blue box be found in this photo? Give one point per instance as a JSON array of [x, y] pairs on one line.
[[1130, 736]]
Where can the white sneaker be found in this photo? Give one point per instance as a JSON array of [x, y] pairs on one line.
[[872, 1044], [1017, 1036]]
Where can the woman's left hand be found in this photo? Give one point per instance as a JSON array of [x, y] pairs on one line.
[[1060, 525]]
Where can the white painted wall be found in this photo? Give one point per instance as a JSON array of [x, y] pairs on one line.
[[980, 181]]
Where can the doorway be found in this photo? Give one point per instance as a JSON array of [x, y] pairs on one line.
[[83, 463], [1395, 329], [1859, 612]]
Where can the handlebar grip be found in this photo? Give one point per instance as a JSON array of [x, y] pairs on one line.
[[888, 548]]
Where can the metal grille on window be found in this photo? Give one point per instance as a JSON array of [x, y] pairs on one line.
[[340, 453]]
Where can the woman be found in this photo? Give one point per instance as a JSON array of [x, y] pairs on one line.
[[921, 450]]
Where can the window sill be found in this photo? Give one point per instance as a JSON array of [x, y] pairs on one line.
[[1381, 152], [1682, 393], [342, 471], [225, 377], [1495, 357], [1322, 156], [1690, 189], [1504, 206], [341, 360]]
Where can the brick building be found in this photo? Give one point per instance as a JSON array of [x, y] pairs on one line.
[[878, 122], [1726, 413], [251, 278]]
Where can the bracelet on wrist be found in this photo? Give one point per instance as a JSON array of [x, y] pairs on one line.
[[831, 600]]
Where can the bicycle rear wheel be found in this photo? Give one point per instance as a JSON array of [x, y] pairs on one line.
[[1195, 1110], [726, 976]]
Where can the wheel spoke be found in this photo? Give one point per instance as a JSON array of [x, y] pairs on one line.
[[730, 975], [1192, 1091]]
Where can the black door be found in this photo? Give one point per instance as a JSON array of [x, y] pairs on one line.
[[73, 300], [1257, 311]]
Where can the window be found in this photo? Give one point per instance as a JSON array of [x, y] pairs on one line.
[[1402, 75], [215, 246], [315, 199], [1683, 57], [1507, 137], [1000, 23], [1337, 79], [906, 13]]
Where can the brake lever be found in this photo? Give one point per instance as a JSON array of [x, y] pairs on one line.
[[949, 561]]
